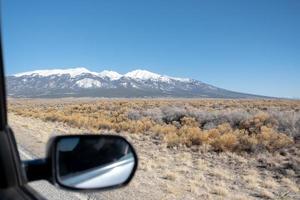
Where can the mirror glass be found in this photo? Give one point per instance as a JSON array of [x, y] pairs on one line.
[[94, 162]]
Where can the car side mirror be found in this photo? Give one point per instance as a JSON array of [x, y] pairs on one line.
[[86, 162]]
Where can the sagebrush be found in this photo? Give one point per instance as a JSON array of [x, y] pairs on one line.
[[223, 125]]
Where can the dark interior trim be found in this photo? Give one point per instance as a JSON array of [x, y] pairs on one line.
[[3, 108]]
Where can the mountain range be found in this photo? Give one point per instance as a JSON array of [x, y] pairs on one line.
[[80, 82]]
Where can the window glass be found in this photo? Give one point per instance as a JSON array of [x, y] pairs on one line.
[[206, 91]]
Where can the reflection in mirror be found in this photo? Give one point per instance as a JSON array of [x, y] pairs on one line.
[[94, 162]]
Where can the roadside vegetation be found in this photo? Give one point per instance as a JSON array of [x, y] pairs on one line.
[[188, 148], [219, 125]]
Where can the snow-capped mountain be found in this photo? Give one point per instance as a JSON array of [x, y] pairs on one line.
[[110, 75], [71, 72], [80, 82]]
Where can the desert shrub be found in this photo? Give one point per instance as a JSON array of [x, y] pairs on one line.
[[224, 128], [209, 120], [103, 124], [172, 139], [213, 134], [267, 139], [226, 142], [48, 117], [247, 143], [253, 125], [172, 113], [134, 115], [272, 140], [141, 126], [190, 135], [209, 125], [288, 122], [164, 129], [154, 113], [188, 121], [224, 125]]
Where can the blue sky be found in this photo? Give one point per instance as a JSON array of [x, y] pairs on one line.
[[247, 46]]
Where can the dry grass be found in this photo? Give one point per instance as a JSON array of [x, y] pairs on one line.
[[223, 125], [221, 174], [220, 190], [292, 186], [270, 183], [170, 176], [252, 179], [263, 193]]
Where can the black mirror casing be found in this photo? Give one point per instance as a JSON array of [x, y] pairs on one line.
[[47, 168]]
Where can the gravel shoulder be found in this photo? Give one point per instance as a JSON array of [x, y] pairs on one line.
[[180, 173]]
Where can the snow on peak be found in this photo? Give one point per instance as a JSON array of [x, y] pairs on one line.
[[138, 74], [145, 75], [88, 83], [73, 72], [112, 75], [142, 74]]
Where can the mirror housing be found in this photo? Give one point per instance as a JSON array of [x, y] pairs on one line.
[[85, 162]]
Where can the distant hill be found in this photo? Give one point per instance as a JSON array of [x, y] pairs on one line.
[[80, 82]]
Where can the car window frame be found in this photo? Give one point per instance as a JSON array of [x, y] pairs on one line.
[[3, 105]]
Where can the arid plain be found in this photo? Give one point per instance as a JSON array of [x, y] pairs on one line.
[[188, 148]]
